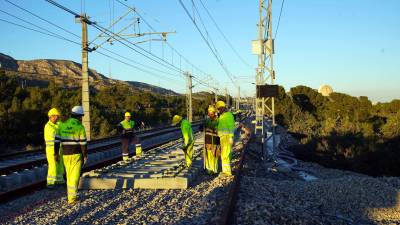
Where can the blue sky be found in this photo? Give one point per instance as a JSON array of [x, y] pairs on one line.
[[352, 45]]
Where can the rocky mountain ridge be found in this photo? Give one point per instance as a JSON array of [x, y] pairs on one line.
[[39, 72]]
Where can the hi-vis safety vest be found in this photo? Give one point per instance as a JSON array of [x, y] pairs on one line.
[[72, 136], [226, 124], [187, 132], [50, 132], [127, 127], [210, 132]]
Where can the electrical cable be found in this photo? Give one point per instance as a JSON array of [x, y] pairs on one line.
[[208, 44], [38, 31], [152, 28], [37, 16], [224, 36], [279, 19]]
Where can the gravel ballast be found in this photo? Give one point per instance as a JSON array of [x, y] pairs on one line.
[[202, 203], [265, 197], [336, 197]]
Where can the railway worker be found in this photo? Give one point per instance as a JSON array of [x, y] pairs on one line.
[[72, 136], [188, 140], [55, 168], [126, 127], [212, 142], [225, 128]]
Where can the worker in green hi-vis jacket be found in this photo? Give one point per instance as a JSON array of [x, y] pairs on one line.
[[188, 140], [212, 142], [226, 129]]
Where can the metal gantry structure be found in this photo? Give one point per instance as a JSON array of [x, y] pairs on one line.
[[109, 36], [265, 74], [83, 19]]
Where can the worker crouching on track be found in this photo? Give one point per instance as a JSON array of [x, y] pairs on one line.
[[55, 169], [72, 136], [212, 142], [226, 129], [126, 128], [188, 140]]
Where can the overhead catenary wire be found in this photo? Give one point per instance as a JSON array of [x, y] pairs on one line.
[[224, 36], [43, 19], [126, 42], [38, 31], [121, 40], [32, 24], [176, 51], [136, 67], [279, 19], [141, 64], [208, 44], [45, 31]]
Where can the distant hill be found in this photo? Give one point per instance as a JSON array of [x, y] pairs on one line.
[[67, 73], [202, 95]]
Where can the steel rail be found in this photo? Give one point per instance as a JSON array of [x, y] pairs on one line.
[[230, 203], [42, 150], [21, 191], [115, 142]]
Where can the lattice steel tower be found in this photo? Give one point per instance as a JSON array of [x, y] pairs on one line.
[[264, 48]]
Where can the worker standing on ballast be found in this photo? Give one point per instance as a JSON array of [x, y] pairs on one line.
[[212, 142], [72, 136], [188, 140], [55, 168], [226, 129], [126, 129]]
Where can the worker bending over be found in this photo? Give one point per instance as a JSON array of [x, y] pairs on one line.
[[55, 168], [188, 140], [72, 136], [126, 129], [212, 141], [226, 129]]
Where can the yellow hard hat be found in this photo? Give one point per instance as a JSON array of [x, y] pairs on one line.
[[53, 112], [127, 114], [211, 109], [220, 104], [176, 119]]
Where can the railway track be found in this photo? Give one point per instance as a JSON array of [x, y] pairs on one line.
[[14, 162], [23, 173], [210, 200]]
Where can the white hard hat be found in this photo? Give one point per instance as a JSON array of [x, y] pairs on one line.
[[77, 110]]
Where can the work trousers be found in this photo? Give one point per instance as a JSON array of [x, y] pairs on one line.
[[55, 170], [211, 155], [226, 153], [126, 142], [189, 155], [73, 164]]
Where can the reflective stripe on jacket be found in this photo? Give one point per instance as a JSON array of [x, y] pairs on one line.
[[72, 135]]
